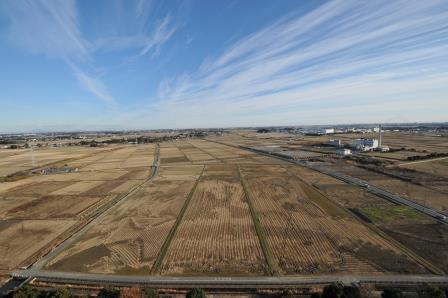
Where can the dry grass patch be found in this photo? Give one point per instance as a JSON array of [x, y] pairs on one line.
[[129, 237], [51, 207], [306, 239], [38, 188], [217, 235], [179, 172], [8, 203], [75, 188], [20, 239]]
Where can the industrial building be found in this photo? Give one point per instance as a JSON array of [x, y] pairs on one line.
[[365, 144], [325, 131]]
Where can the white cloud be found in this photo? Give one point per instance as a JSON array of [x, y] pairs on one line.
[[92, 85], [160, 35], [342, 53], [46, 27], [52, 28]]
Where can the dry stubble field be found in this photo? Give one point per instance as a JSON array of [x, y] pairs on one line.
[[217, 235], [38, 211], [215, 232], [310, 235]]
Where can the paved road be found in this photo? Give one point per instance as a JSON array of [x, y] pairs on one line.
[[231, 282]]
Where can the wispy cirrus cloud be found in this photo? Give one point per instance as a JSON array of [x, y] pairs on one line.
[[343, 53], [134, 29], [52, 28], [46, 27], [92, 85], [160, 35]]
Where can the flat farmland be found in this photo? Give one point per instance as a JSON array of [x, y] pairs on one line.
[[12, 161], [217, 235], [211, 210], [232, 155], [420, 194], [194, 154], [52, 207], [309, 235], [351, 196], [222, 152], [179, 172], [414, 230], [20, 239], [401, 155], [345, 194], [128, 239], [171, 155], [37, 211], [435, 167]]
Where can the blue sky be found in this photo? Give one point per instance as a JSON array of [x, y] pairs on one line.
[[124, 64]]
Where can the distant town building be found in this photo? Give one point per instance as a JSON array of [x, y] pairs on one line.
[[343, 152], [325, 131], [334, 143], [320, 131]]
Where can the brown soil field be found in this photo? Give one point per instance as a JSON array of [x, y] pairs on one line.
[[19, 239], [47, 205], [38, 188], [428, 240], [6, 186], [11, 202], [179, 172], [217, 235], [124, 186], [313, 177], [174, 159], [196, 155], [306, 232], [225, 171], [351, 196], [401, 155], [51, 207], [310, 237], [423, 195], [129, 237], [419, 194], [25, 159], [437, 167], [76, 188]]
